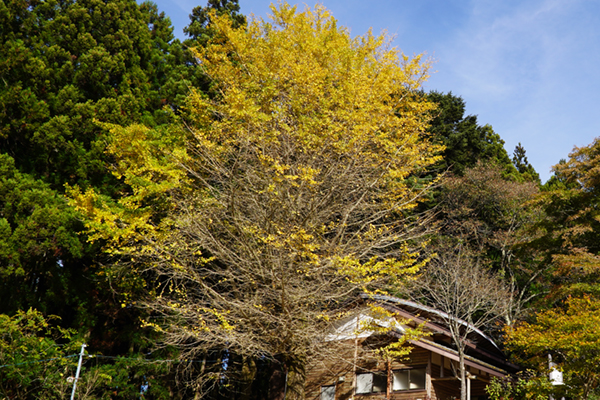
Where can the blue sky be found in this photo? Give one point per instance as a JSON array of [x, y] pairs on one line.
[[529, 68]]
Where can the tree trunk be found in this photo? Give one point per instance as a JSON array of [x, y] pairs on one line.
[[198, 394], [276, 382], [463, 374], [288, 379], [247, 378], [296, 380]]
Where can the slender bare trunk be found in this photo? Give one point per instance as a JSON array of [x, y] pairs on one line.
[[463, 374], [198, 394]]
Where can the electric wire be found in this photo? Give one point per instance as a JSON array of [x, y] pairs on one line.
[[112, 358], [38, 361]]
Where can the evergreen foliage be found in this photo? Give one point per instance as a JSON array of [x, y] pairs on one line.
[[522, 165], [65, 65], [465, 140], [39, 245], [200, 31], [65, 68]]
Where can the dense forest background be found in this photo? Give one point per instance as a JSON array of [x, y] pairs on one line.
[[75, 74]]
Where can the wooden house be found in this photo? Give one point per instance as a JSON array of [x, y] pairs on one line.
[[353, 369]]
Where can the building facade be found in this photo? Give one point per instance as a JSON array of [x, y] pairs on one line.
[[354, 369]]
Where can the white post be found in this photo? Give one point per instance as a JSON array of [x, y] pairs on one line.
[[78, 370], [556, 376], [355, 357], [468, 376]]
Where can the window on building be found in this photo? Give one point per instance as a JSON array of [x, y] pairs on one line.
[[328, 392], [371, 382], [408, 379]]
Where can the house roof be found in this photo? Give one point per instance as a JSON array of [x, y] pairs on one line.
[[482, 351], [352, 327], [429, 310]]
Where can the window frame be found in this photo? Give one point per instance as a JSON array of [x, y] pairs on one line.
[[324, 389], [382, 374], [409, 381]]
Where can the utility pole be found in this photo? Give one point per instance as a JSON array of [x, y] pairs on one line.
[[78, 370]]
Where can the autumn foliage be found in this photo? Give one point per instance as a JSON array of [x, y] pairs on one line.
[[570, 335]]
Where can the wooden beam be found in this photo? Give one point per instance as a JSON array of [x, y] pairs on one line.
[[452, 356]]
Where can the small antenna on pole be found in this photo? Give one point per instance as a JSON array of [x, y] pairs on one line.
[[78, 370]]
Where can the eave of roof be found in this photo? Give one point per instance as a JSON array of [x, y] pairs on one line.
[[453, 355], [431, 310]]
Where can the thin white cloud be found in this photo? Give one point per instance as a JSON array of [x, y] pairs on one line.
[[530, 69], [502, 49], [186, 6]]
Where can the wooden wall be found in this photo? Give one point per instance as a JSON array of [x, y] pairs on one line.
[[338, 368], [347, 358]]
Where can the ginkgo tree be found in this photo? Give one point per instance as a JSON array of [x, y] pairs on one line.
[[290, 189]]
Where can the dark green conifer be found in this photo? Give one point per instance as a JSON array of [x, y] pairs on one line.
[[522, 165], [466, 141]]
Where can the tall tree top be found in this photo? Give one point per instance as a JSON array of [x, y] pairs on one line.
[[64, 64], [468, 142], [199, 29], [290, 193], [522, 165]]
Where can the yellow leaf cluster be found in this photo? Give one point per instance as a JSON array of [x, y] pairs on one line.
[[400, 348], [148, 163], [301, 78], [570, 334]]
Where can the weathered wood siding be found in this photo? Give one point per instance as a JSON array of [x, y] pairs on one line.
[[338, 368]]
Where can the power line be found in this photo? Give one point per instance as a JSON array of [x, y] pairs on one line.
[[152, 361], [38, 361], [113, 358]]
